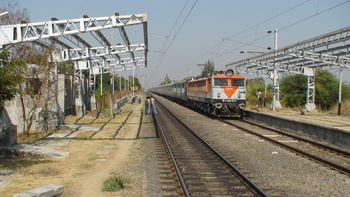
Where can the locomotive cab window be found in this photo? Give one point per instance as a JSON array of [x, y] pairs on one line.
[[237, 82], [220, 82]]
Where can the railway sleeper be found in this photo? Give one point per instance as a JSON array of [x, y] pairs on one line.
[[203, 192], [232, 182], [185, 161], [206, 173], [210, 179], [166, 171]]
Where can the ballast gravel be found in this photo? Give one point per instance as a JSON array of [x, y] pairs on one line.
[[279, 171]]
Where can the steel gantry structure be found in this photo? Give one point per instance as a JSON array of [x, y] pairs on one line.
[[67, 37], [324, 52], [84, 41]]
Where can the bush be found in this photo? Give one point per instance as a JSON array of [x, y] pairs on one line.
[[113, 184]]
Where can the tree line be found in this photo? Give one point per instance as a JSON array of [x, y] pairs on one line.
[[293, 89]]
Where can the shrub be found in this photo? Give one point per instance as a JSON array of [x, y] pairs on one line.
[[113, 184]]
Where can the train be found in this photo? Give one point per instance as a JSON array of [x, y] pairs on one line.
[[222, 94]]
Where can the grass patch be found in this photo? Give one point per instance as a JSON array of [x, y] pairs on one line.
[[32, 138], [113, 184]]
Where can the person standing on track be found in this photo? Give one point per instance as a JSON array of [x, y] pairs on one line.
[[153, 106], [148, 105]]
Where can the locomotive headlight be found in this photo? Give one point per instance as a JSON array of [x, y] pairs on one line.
[[239, 95], [229, 73], [219, 95]]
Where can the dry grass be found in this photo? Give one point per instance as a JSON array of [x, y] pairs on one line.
[[36, 172], [32, 137], [345, 109]]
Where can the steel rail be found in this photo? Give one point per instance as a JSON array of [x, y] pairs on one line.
[[310, 156], [165, 140], [242, 176]]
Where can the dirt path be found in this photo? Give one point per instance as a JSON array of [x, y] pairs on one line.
[[92, 182], [96, 148]]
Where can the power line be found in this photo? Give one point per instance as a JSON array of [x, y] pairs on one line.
[[174, 25], [271, 18], [181, 25], [164, 44], [249, 43], [163, 54], [275, 16], [326, 10]]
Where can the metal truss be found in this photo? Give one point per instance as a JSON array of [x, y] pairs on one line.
[[332, 49], [67, 37], [325, 51], [93, 52]]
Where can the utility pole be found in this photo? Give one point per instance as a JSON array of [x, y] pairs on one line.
[[341, 67], [275, 99], [133, 82]]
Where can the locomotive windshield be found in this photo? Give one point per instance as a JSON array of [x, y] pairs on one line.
[[237, 82], [220, 82]]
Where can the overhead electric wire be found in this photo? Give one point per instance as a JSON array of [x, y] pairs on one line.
[[181, 26], [239, 33], [175, 24], [249, 43], [164, 44], [273, 17], [218, 44], [314, 15], [166, 50]]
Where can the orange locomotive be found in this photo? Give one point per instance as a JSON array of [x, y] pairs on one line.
[[222, 94]]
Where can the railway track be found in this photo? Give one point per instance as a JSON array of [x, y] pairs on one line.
[[201, 170], [334, 158]]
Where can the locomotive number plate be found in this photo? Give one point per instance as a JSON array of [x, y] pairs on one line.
[[228, 100]]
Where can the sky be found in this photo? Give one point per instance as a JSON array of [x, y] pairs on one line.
[[185, 34]]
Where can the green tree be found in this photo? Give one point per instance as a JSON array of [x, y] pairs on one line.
[[10, 66], [293, 90], [10, 78], [253, 85], [346, 92], [208, 68], [327, 88]]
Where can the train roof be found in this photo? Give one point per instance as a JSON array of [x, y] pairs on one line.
[[171, 84], [181, 82], [219, 74], [225, 76]]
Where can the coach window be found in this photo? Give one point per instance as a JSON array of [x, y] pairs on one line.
[[237, 82], [220, 82]]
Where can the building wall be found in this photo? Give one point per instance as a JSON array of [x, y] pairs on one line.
[[57, 100]]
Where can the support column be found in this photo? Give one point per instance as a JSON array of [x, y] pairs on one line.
[[341, 68], [276, 104], [79, 102], [111, 90], [276, 89], [93, 102], [310, 93], [92, 90]]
